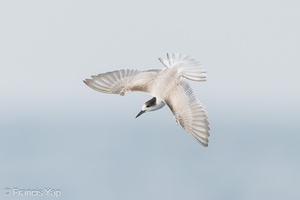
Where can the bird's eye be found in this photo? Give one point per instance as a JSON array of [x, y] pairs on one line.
[[147, 106]]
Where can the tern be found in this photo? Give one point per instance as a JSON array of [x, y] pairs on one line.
[[167, 86]]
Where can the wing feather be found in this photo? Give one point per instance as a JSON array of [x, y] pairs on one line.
[[189, 112], [122, 81]]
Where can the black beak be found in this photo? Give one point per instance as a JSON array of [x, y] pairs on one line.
[[142, 111]]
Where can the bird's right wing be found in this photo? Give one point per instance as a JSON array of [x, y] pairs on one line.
[[188, 112], [123, 81]]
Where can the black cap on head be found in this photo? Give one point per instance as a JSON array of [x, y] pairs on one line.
[[151, 102]]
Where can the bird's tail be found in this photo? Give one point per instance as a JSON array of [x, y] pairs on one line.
[[188, 67]]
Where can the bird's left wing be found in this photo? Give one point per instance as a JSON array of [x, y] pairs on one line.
[[123, 81], [188, 112]]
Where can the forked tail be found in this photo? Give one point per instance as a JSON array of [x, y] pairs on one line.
[[188, 67]]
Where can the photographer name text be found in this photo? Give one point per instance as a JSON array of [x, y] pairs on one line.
[[31, 192]]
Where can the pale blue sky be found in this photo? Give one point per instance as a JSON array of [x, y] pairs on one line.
[[56, 132]]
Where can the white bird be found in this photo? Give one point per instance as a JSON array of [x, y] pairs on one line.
[[167, 86]]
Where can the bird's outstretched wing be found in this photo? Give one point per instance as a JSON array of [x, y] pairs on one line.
[[188, 112], [123, 81]]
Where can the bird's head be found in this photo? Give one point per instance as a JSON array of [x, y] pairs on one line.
[[151, 105]]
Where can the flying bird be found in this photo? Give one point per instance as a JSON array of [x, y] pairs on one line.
[[167, 86]]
